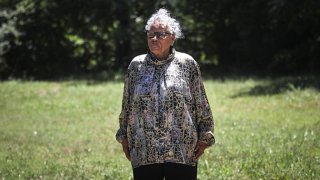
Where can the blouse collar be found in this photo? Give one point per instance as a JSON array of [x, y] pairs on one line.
[[154, 60]]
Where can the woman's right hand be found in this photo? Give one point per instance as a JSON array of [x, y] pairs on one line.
[[125, 148]]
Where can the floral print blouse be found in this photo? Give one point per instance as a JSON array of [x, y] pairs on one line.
[[165, 110]]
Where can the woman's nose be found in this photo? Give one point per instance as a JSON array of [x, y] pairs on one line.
[[154, 38]]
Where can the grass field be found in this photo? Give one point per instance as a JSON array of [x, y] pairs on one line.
[[265, 129]]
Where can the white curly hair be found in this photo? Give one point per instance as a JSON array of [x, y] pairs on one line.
[[164, 18]]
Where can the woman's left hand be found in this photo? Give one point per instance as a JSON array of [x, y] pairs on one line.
[[200, 147]]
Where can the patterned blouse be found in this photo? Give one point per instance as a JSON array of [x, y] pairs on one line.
[[165, 110]]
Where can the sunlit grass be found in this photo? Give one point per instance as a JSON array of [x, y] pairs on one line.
[[265, 129]]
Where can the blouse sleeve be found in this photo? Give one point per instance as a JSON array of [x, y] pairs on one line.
[[124, 115], [205, 122]]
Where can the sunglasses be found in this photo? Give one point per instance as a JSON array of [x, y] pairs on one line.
[[159, 35]]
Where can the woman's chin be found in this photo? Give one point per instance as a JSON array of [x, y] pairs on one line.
[[155, 51]]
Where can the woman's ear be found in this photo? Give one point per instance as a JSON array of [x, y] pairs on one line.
[[173, 40]]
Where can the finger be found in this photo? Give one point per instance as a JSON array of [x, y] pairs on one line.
[[125, 143], [128, 156], [199, 151], [125, 148], [127, 153], [198, 155], [197, 148]]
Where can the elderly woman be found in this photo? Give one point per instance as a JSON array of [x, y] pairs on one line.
[[166, 122]]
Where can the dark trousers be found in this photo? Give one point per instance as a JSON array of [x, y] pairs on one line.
[[167, 171]]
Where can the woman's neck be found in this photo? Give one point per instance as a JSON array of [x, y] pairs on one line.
[[164, 55]]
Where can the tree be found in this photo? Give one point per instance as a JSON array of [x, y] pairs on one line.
[[51, 38]]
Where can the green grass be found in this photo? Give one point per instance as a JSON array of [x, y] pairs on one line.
[[265, 129]]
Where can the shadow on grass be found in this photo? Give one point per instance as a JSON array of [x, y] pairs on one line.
[[89, 79], [280, 85], [77, 79]]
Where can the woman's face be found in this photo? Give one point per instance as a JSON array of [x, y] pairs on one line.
[[159, 40]]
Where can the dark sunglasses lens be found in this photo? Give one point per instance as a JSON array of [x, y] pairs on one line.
[[150, 34], [159, 35]]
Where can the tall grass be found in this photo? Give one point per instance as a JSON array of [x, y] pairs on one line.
[[65, 130]]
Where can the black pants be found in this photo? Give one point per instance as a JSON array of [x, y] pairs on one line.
[[169, 171]]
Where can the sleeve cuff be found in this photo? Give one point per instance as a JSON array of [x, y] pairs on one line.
[[207, 138], [120, 136]]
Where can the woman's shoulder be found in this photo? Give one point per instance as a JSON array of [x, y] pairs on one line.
[[136, 61], [182, 55], [185, 58], [139, 58]]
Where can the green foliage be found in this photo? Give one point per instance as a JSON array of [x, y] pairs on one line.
[[43, 39], [66, 130], [258, 36]]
